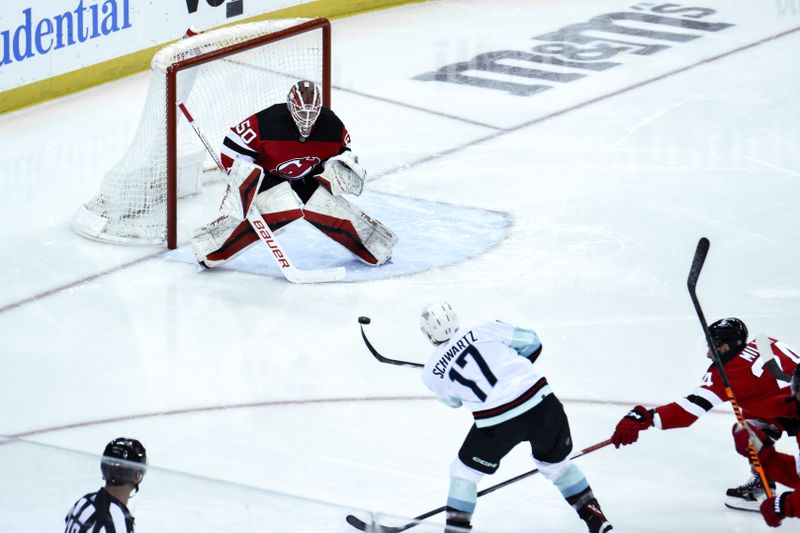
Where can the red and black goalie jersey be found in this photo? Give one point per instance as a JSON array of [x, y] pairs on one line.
[[758, 393], [270, 139]]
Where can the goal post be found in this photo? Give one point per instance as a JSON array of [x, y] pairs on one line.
[[224, 75]]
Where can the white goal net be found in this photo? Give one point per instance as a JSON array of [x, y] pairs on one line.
[[223, 76]]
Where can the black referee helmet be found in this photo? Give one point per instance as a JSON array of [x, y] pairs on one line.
[[124, 461]]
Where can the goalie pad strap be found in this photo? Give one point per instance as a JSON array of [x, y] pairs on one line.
[[365, 237]]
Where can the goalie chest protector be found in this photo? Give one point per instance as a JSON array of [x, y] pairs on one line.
[[282, 154]]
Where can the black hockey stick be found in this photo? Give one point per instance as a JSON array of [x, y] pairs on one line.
[[362, 320], [694, 273], [363, 526]]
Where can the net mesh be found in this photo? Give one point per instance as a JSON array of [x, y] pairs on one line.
[[131, 204]]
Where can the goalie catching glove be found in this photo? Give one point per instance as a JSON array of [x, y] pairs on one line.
[[627, 430], [343, 174]]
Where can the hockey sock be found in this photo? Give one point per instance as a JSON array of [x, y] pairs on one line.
[[461, 502], [571, 483], [462, 497]]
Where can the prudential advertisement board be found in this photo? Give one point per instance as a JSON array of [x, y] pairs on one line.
[[40, 39]]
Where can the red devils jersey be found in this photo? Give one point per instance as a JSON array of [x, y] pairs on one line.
[[758, 393], [270, 139]]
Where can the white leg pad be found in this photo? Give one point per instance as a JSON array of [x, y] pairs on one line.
[[278, 205], [210, 238], [244, 180], [376, 238], [379, 239], [278, 199]]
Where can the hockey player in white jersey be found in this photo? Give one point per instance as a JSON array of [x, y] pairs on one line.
[[489, 369]]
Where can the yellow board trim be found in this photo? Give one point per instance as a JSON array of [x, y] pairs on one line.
[[77, 80]]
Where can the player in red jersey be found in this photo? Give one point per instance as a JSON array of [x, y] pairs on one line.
[[761, 397], [300, 151], [781, 467]]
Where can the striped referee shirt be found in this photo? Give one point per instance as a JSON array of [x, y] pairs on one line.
[[99, 512]]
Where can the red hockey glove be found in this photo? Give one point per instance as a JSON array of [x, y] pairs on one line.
[[773, 509], [747, 434], [627, 430]]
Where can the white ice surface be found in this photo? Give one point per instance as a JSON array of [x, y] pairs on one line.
[[606, 203]]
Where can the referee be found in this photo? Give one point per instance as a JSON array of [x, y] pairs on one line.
[[106, 511]]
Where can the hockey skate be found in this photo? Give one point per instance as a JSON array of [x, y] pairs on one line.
[[591, 513], [748, 496]]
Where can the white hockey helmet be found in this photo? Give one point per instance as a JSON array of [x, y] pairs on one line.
[[304, 102], [438, 322]]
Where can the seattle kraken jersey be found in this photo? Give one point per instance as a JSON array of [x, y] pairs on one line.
[[485, 368]]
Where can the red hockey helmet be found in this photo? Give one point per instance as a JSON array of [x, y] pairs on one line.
[[304, 102]]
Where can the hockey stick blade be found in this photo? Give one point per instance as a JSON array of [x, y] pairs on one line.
[[383, 359], [356, 522], [361, 525], [697, 263], [323, 275], [739, 507]]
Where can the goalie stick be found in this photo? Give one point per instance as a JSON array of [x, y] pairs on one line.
[[276, 252], [363, 526], [694, 273], [362, 320]]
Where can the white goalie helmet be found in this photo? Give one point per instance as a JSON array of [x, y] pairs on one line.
[[305, 103], [438, 322]]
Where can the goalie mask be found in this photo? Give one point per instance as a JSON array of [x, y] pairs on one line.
[[304, 102], [730, 331], [438, 322], [124, 461]]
